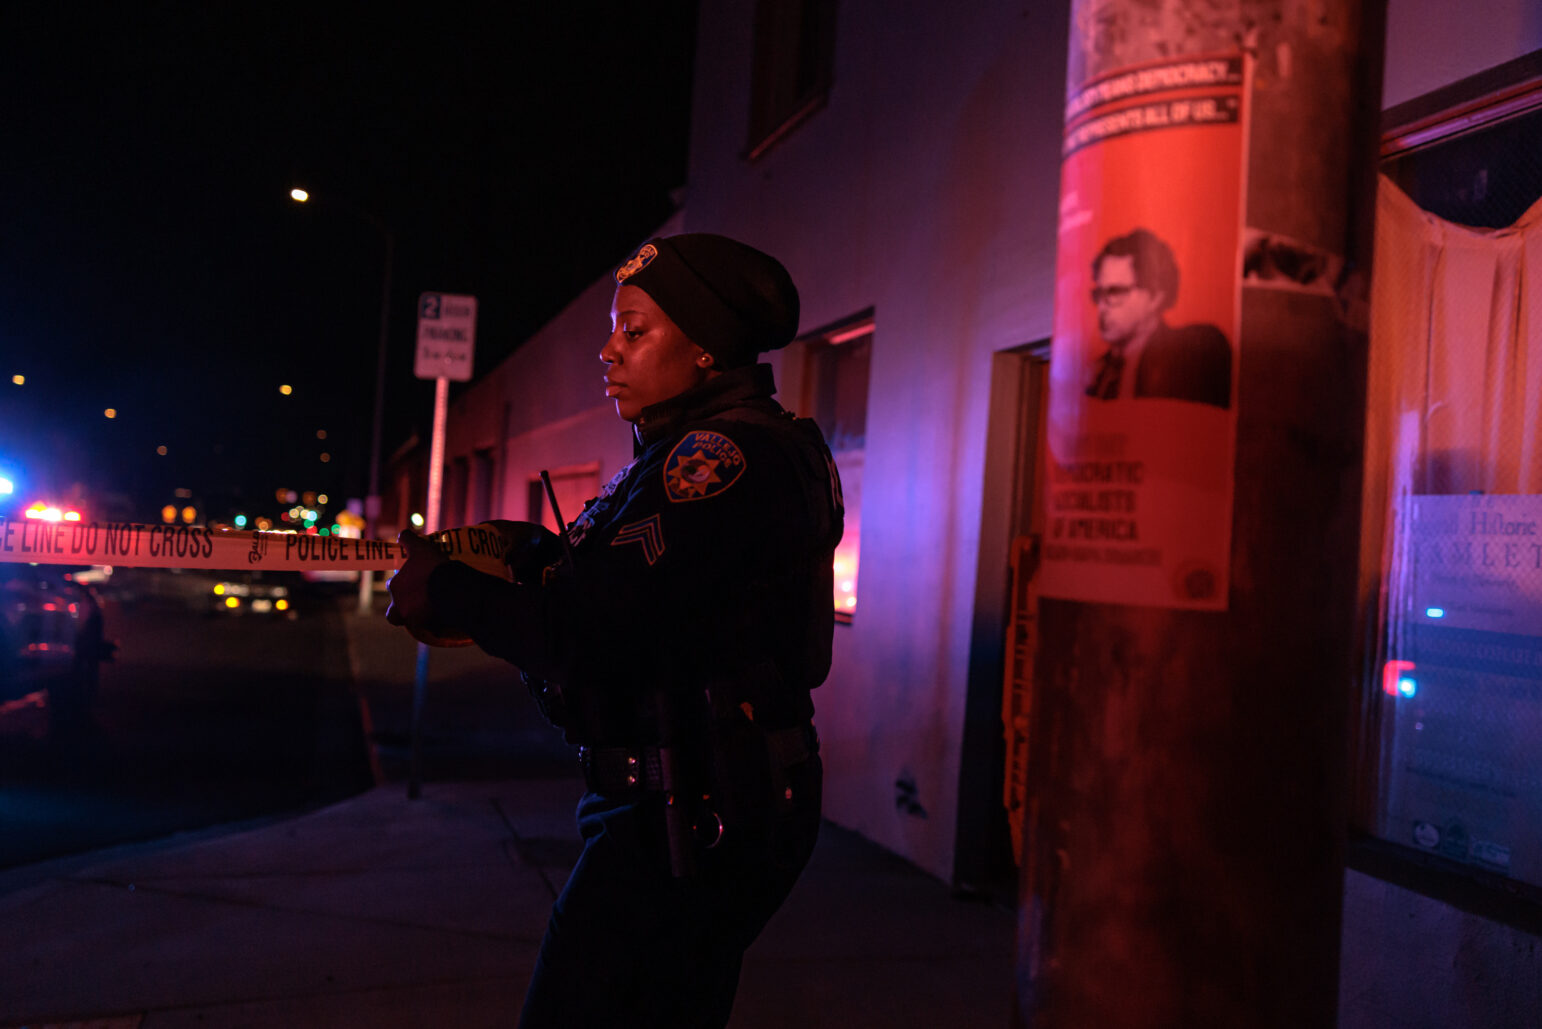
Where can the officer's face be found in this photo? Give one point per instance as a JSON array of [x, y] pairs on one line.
[[647, 358], [1125, 310]]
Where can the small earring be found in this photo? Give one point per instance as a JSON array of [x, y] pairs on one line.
[[704, 360]]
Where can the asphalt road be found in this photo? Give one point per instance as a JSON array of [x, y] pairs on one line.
[[201, 720]]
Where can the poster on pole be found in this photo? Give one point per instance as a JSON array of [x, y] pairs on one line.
[[1144, 360]]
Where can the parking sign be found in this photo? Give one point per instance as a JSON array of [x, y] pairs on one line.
[[447, 325]]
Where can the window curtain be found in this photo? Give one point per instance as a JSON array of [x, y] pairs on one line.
[[1454, 404]]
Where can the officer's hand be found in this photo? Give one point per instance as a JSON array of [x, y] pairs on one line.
[[532, 548], [409, 586]]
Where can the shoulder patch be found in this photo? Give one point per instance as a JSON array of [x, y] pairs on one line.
[[703, 464]]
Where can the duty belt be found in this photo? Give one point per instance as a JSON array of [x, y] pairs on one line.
[[621, 770]]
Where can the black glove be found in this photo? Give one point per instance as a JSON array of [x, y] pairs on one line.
[[410, 606], [532, 549]]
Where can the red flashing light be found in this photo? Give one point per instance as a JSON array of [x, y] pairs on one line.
[[1391, 674]]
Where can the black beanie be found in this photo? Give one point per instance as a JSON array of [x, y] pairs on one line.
[[730, 299]]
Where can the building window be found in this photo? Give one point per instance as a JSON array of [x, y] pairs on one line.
[[574, 486], [483, 471], [794, 54], [452, 502], [834, 394], [1451, 771]]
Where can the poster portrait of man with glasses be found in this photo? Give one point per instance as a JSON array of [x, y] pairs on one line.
[[1135, 283]]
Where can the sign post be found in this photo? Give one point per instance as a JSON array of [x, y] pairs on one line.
[[446, 338]]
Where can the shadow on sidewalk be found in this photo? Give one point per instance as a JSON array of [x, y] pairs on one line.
[[478, 721]]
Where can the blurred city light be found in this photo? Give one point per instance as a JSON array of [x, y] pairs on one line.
[[325, 457], [232, 602], [169, 513], [240, 521], [20, 380], [188, 514], [845, 568], [111, 412], [286, 390], [349, 524], [321, 433], [161, 450], [299, 195], [1393, 677], [321, 498], [72, 516], [417, 520]]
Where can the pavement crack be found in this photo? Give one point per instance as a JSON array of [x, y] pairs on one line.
[[522, 849]]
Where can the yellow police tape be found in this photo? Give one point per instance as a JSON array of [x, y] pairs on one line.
[[132, 545]]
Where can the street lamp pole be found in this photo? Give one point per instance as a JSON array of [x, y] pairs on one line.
[[372, 497]]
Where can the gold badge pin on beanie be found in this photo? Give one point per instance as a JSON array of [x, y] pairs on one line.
[[732, 300]]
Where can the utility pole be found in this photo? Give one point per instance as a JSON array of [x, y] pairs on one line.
[[1187, 776]]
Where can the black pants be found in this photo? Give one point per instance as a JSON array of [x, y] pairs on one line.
[[630, 946]]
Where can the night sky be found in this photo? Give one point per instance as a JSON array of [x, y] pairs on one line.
[[151, 260]]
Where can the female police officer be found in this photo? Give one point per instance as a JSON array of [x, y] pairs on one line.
[[676, 644]]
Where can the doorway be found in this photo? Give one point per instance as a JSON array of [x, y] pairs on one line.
[[1005, 618]]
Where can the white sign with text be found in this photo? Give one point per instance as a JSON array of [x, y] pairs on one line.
[[447, 326]]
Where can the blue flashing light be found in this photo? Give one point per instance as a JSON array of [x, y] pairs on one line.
[[1407, 687], [240, 521], [6, 485], [1435, 612]]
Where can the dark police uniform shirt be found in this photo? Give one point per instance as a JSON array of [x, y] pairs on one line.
[[703, 569]]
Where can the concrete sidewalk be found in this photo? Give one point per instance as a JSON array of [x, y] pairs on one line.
[[384, 911]]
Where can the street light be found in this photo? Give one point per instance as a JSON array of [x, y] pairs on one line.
[[372, 498]]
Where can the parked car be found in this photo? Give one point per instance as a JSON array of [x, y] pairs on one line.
[[51, 638], [254, 593]]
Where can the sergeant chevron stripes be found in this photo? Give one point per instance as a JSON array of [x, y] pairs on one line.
[[649, 532]]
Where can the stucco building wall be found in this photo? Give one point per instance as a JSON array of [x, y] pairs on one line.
[[925, 190]]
